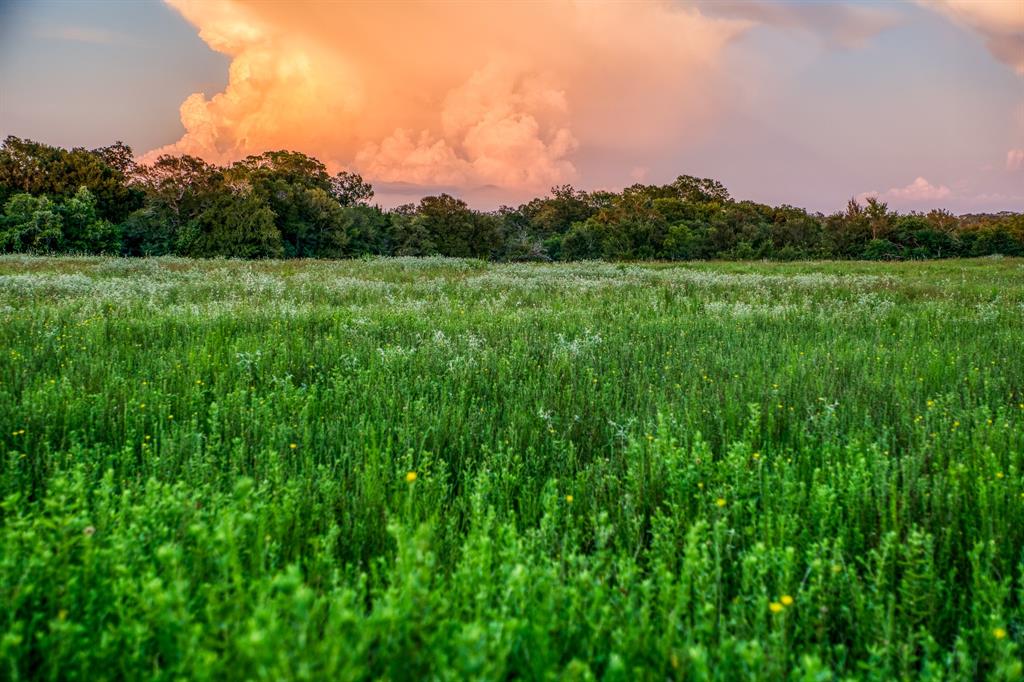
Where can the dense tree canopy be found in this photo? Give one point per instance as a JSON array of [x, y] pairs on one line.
[[286, 204]]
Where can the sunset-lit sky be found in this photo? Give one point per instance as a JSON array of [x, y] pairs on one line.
[[802, 103]]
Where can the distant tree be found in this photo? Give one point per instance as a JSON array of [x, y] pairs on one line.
[[847, 234], [285, 203], [582, 242], [284, 166], [368, 231], [182, 186], [700, 190], [148, 232], [882, 249], [303, 199], [879, 219], [236, 226], [682, 243], [454, 229], [943, 221], [33, 168], [557, 213], [324, 226], [31, 225], [349, 189], [795, 231], [41, 225], [120, 157], [84, 231], [408, 234]]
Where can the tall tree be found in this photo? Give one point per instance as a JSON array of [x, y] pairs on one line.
[[35, 168], [349, 189], [235, 226]]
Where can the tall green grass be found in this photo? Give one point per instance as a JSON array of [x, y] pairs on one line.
[[718, 471]]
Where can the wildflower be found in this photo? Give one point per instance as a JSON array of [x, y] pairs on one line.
[[568, 498], [410, 477], [786, 600], [720, 502], [88, 530], [999, 633], [999, 474], [757, 455], [776, 607], [293, 446]]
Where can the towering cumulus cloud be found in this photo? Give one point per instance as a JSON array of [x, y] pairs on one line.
[[463, 94]]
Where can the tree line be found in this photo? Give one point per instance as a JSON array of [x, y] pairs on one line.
[[283, 204]]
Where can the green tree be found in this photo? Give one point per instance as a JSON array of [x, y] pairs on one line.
[[557, 213], [120, 157], [148, 232], [700, 190], [33, 168], [408, 233], [236, 226], [84, 231], [349, 189], [178, 189], [455, 230], [31, 225]]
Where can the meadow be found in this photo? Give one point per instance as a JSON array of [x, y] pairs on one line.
[[447, 469]]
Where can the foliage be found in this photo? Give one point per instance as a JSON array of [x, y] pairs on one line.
[[435, 468], [237, 226], [156, 209]]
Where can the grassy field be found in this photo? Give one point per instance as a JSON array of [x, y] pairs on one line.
[[408, 469]]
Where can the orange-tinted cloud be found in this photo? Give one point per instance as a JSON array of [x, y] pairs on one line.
[[462, 94], [999, 22]]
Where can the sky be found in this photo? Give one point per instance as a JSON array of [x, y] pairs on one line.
[[801, 103]]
